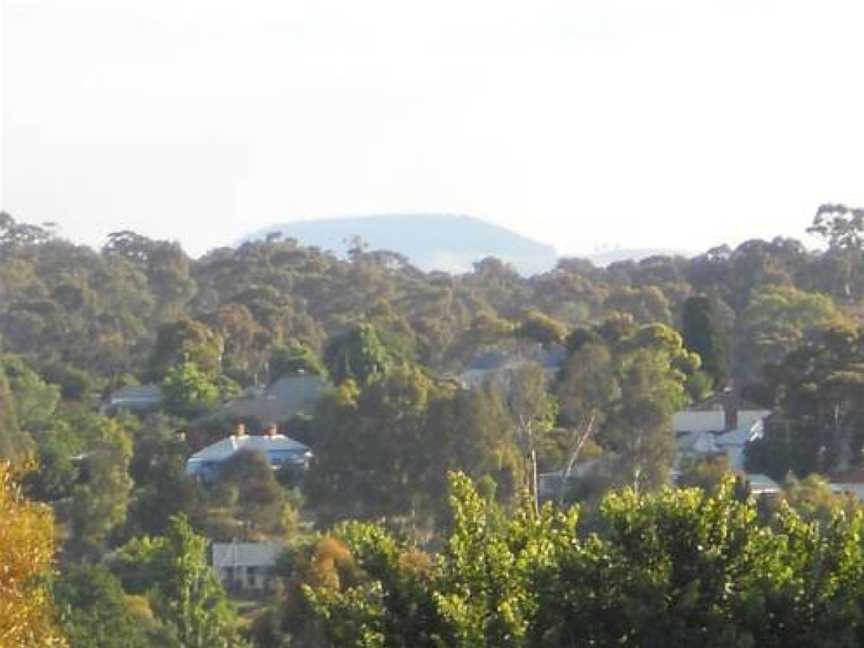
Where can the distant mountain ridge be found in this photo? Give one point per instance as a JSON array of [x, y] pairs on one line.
[[448, 242]]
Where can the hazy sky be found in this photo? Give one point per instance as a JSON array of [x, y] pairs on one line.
[[675, 123]]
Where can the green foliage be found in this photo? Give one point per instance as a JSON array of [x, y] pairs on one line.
[[357, 354], [645, 304], [293, 359], [814, 499], [186, 341], [533, 410], [706, 473], [676, 567], [841, 228], [184, 592], [57, 473], [14, 443], [385, 451], [140, 564], [139, 306], [621, 385], [541, 328], [98, 501], [188, 390], [775, 323], [89, 320], [35, 400], [370, 451], [699, 386], [93, 609], [162, 488], [251, 498], [703, 335], [819, 389]]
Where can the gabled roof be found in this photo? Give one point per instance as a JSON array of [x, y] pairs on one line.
[[246, 554], [223, 449]]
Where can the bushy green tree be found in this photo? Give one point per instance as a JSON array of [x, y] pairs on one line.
[[675, 567], [294, 358], [248, 491], [541, 328], [818, 390], [702, 333], [162, 488], [370, 458], [620, 386], [357, 354], [186, 340], [93, 610], [99, 501], [188, 390], [776, 321], [184, 592]]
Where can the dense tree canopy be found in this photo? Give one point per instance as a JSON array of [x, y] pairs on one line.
[[574, 373], [678, 567]]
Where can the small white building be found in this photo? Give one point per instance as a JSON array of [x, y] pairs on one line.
[[246, 565]]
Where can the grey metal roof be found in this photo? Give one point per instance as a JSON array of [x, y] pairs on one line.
[[246, 554], [223, 449]]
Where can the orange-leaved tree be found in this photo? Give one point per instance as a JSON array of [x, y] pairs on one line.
[[27, 616]]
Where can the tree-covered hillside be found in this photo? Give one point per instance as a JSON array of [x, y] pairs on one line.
[[526, 394]]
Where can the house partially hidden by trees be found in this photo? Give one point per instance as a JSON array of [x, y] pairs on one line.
[[498, 365], [134, 398], [246, 565], [279, 450], [723, 424], [289, 396]]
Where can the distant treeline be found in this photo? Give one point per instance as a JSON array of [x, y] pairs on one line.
[[73, 309]]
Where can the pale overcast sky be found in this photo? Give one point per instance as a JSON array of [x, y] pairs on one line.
[[674, 123]]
